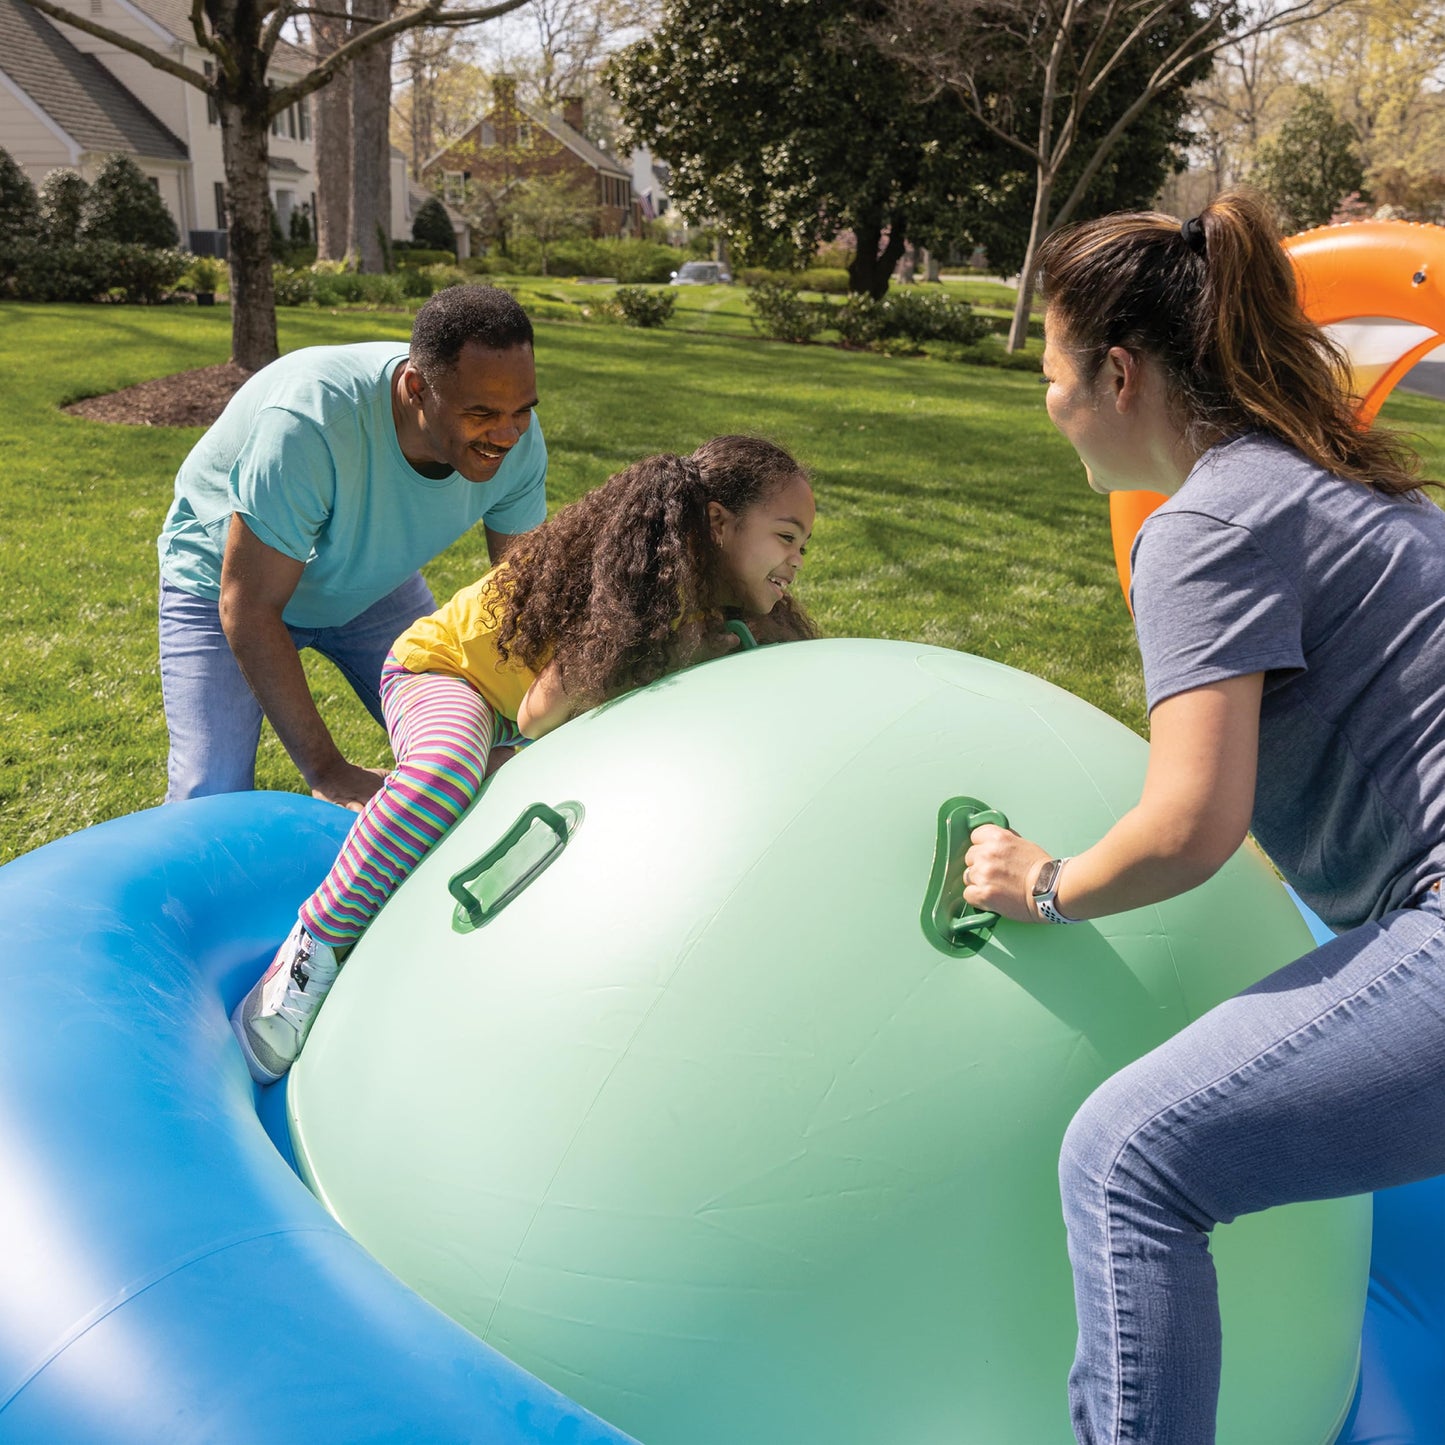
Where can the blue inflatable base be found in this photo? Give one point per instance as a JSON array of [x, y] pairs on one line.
[[167, 1277]]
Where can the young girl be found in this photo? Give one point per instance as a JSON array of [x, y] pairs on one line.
[[1290, 605], [635, 580]]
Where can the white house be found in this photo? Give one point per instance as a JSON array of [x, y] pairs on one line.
[[69, 99]]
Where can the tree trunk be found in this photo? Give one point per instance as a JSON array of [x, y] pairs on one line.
[[870, 268], [333, 146], [244, 143], [370, 234], [1038, 228]]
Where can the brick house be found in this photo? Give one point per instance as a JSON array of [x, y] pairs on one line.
[[515, 141]]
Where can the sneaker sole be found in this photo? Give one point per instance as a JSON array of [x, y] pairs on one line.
[[259, 1072]]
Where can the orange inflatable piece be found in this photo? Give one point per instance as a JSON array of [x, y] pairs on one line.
[[1380, 287]]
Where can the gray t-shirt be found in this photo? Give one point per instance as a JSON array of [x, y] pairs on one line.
[[1262, 562]]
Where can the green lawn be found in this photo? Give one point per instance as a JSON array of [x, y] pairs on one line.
[[949, 512]]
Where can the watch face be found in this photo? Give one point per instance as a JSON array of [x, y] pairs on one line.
[[1047, 876]]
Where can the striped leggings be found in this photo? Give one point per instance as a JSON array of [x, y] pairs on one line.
[[442, 730]]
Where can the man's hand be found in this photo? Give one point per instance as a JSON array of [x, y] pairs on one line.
[[348, 785], [257, 582]]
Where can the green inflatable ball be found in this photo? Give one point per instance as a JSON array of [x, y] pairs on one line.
[[674, 1075]]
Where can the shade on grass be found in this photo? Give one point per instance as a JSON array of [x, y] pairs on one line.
[[949, 512]]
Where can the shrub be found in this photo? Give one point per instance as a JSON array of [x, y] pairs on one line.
[[293, 288], [831, 280], [299, 229], [432, 227], [415, 283], [492, 265], [205, 273], [19, 207], [783, 314], [146, 273], [418, 256], [828, 280], [860, 321], [89, 271], [444, 276], [123, 206], [641, 307], [932, 316], [62, 204]]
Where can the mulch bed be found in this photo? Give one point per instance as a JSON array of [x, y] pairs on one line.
[[189, 398]]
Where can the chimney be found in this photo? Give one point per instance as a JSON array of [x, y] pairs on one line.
[[572, 111], [504, 92]]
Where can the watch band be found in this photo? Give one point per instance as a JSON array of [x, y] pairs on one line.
[[1044, 901]]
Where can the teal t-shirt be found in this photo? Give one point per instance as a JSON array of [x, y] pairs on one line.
[[306, 451]]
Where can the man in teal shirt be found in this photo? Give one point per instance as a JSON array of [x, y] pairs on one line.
[[301, 517]]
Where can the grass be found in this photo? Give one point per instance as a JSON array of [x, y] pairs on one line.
[[950, 512]]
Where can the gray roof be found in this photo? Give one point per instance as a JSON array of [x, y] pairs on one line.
[[575, 141], [76, 91]]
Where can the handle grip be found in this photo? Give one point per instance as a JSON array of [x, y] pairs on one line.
[[949, 920], [484, 887]]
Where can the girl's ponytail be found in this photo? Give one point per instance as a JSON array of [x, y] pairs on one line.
[[1214, 300]]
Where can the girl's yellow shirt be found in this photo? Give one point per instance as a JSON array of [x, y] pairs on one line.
[[460, 638]]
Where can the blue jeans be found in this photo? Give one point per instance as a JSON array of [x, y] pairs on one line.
[[1325, 1079], [213, 717]]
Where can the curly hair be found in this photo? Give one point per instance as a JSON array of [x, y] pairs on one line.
[[1223, 317], [626, 583]]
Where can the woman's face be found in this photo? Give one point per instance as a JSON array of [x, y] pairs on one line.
[[1099, 416]]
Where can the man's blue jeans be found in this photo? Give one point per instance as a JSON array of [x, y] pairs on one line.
[[213, 717], [1325, 1079]]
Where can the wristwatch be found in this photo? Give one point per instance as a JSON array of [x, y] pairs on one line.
[[1046, 889]]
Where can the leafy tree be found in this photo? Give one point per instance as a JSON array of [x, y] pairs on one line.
[[1311, 163], [124, 206], [1062, 83], [785, 124], [19, 208], [549, 208], [432, 227], [62, 206], [240, 37]]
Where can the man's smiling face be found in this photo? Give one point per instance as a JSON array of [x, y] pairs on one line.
[[472, 415]]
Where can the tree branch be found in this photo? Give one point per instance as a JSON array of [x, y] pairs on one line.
[[122, 42], [429, 14]]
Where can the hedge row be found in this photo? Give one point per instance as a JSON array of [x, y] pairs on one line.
[[88, 271], [906, 317]]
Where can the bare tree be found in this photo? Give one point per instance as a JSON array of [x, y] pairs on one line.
[[1066, 53], [333, 143], [240, 37], [370, 210]]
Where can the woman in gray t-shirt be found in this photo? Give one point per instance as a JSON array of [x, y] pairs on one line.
[[1290, 604]]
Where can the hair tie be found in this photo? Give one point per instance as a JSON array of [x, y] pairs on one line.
[[1193, 232]]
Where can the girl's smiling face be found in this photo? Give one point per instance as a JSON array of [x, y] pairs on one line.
[[762, 547]]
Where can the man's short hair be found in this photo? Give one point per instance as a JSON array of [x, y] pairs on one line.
[[484, 315]]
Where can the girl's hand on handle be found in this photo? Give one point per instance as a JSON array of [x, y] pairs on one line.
[[999, 872]]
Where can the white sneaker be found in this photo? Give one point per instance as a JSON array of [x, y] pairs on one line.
[[272, 1021]]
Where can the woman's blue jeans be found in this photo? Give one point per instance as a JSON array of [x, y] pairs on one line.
[[1325, 1079]]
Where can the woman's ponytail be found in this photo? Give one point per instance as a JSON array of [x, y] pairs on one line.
[[1215, 301]]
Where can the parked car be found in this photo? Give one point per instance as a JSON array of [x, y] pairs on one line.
[[702, 273]]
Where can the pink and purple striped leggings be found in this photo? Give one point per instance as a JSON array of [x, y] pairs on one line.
[[442, 730]]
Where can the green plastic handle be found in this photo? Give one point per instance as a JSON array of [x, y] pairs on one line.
[[740, 630], [485, 887], [949, 920]]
